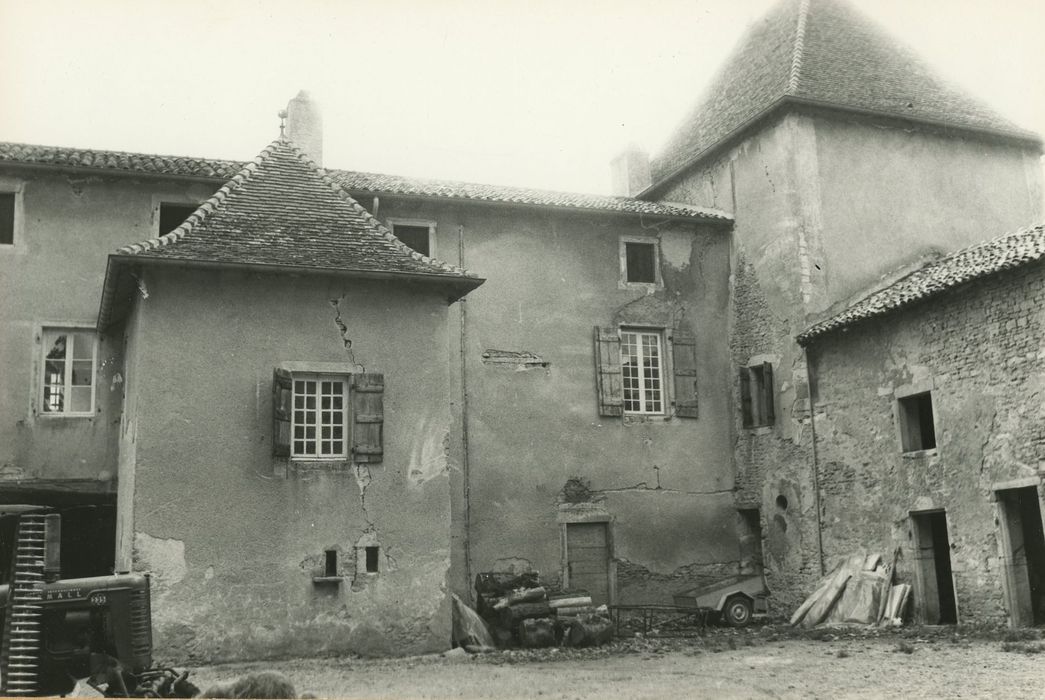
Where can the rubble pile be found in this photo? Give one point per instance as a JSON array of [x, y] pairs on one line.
[[520, 612]]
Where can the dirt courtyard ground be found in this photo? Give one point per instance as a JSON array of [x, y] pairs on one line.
[[759, 663]]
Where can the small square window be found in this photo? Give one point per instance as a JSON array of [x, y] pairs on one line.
[[7, 218], [417, 236], [319, 419], [642, 370], [639, 262], [173, 215], [756, 396], [67, 382], [917, 430]]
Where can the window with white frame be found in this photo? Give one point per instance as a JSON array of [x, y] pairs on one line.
[[642, 371], [639, 262], [415, 233], [319, 422], [68, 379]]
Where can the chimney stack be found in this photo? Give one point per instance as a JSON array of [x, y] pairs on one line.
[[305, 126], [629, 172]]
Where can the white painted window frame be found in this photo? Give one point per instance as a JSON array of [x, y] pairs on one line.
[[15, 186], [43, 332], [622, 252], [394, 221], [662, 368], [346, 425]]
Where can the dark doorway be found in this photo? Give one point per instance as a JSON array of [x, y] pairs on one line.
[[933, 564], [1024, 542], [749, 529]]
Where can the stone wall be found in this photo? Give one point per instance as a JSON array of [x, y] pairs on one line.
[[979, 350]]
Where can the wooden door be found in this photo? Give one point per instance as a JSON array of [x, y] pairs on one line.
[[588, 559]]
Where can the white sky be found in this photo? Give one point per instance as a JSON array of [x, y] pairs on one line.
[[540, 93]]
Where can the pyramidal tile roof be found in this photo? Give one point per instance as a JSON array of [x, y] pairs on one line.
[[281, 209], [821, 52], [284, 212], [1003, 253]]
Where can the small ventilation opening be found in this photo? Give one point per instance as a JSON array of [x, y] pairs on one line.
[[372, 559], [331, 563]]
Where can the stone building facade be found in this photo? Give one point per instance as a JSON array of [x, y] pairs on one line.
[[929, 431]]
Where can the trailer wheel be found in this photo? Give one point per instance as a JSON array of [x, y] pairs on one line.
[[737, 611]]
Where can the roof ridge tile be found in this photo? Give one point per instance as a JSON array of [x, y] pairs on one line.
[[339, 190], [799, 48], [201, 212]]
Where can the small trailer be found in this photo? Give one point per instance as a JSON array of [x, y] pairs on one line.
[[737, 599]]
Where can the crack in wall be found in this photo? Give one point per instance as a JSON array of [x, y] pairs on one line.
[[363, 479], [343, 329]]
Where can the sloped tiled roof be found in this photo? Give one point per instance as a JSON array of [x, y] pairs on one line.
[[358, 182], [282, 210], [59, 157], [826, 53], [404, 186], [1006, 252]]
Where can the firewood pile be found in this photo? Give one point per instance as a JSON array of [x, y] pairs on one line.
[[522, 612]]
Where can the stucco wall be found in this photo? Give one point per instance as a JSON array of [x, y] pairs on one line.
[[231, 535], [665, 485], [53, 277], [892, 195], [980, 349]]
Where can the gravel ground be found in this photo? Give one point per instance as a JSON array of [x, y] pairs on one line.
[[769, 662]]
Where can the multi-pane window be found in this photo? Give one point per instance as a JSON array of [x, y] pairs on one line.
[[67, 385], [319, 417], [642, 371]]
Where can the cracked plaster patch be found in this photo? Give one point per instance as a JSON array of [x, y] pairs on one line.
[[676, 248], [163, 558]]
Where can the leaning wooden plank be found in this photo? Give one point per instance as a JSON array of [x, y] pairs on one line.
[[797, 616]]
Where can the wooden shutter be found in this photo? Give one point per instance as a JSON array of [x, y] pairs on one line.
[[767, 393], [608, 372], [368, 417], [747, 415], [684, 362], [282, 394]]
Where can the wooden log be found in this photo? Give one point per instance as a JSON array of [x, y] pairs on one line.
[[574, 610], [571, 602], [527, 595], [521, 611]]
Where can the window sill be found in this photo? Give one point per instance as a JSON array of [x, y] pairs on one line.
[[920, 454], [63, 416], [327, 580], [640, 418]]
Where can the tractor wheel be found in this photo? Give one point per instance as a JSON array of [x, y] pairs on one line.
[[737, 611]]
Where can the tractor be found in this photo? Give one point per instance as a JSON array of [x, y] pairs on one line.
[[55, 632]]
